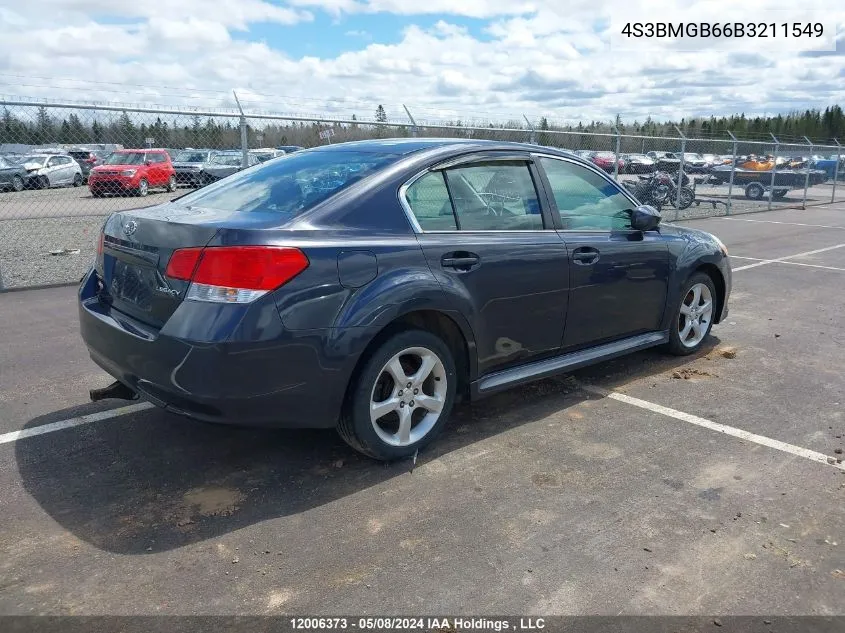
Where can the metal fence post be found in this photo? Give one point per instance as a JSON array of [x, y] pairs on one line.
[[832, 195], [733, 171], [807, 175], [616, 155], [774, 169], [244, 134], [680, 172], [533, 138], [413, 123]]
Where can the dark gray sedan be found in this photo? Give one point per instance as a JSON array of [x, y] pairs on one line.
[[12, 175], [364, 286], [225, 164], [191, 165]]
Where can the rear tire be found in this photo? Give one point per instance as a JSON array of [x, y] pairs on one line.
[[171, 184], [693, 316], [754, 191], [77, 180], [387, 420]]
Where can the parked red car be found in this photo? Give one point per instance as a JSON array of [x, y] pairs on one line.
[[606, 161], [134, 171]]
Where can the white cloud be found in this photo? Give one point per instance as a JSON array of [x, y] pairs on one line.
[[537, 57]]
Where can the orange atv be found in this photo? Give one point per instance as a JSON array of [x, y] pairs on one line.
[[759, 164]]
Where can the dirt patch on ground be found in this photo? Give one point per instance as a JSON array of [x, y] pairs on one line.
[[687, 372], [722, 352], [213, 501]]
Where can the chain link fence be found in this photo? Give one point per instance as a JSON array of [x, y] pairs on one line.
[[51, 209]]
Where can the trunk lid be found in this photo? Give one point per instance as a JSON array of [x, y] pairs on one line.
[[137, 246]]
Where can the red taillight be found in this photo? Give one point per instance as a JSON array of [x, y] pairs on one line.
[[100, 244], [260, 268], [182, 263]]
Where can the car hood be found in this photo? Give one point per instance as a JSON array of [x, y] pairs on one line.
[[31, 166]]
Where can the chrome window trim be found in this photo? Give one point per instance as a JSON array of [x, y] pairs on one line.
[[439, 167]]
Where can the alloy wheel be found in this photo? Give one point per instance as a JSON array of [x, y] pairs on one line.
[[695, 315], [408, 396]]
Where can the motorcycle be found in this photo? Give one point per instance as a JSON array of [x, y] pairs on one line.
[[660, 189]]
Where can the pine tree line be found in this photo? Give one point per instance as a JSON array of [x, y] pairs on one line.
[[220, 133]]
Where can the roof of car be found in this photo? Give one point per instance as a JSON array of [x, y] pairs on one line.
[[410, 145]]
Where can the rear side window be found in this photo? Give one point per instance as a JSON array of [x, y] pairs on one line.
[[496, 196], [157, 157], [429, 200], [290, 185]]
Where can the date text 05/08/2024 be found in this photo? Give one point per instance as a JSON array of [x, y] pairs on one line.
[[478, 624], [787, 30]]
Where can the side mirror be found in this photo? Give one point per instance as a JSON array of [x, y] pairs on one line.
[[645, 218]]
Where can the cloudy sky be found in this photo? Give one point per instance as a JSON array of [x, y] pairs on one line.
[[474, 58]]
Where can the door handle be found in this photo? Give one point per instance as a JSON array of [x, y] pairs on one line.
[[585, 256], [460, 261]]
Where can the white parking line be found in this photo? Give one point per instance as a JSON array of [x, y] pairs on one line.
[[820, 226], [806, 453], [14, 436], [771, 261], [780, 259]]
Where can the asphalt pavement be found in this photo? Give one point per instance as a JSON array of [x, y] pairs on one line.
[[647, 485]]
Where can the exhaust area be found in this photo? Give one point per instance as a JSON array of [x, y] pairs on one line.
[[116, 390]]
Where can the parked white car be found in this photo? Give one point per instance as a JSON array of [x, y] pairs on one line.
[[51, 170]]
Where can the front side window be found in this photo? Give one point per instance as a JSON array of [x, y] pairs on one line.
[[586, 200]]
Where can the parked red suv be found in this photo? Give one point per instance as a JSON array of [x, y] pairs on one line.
[[133, 171]]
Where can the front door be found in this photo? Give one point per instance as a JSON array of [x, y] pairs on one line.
[[483, 233], [618, 276]]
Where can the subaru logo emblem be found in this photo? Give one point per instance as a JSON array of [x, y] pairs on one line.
[[130, 228]]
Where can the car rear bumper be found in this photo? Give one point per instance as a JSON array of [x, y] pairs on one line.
[[293, 379]]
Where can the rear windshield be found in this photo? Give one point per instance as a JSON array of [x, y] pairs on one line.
[[227, 159], [125, 158], [289, 185], [191, 157]]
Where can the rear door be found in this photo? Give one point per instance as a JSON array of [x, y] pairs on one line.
[[485, 235], [618, 276], [54, 171]]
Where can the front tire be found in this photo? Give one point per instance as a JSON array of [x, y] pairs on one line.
[[17, 183], [143, 188], [402, 396], [694, 315]]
